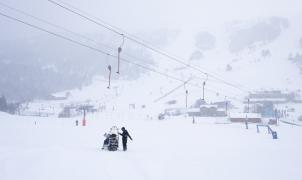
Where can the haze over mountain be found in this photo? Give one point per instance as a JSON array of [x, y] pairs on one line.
[[208, 89], [233, 39]]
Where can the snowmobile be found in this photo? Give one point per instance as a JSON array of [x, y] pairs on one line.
[[111, 141]]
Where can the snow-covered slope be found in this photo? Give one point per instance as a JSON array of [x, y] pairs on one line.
[[260, 59], [258, 62], [212, 148], [51, 148]]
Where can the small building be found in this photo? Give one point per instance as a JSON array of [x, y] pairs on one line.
[[174, 111], [76, 110], [243, 117], [207, 110], [275, 97], [194, 112], [272, 122], [69, 111], [88, 108], [212, 111]]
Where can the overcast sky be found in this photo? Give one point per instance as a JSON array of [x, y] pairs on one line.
[[145, 15]]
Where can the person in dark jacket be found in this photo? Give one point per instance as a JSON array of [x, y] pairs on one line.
[[125, 136]]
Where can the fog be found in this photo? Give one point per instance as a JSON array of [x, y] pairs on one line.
[[208, 89], [192, 29], [137, 15]]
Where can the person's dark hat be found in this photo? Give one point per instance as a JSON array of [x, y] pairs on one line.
[[123, 128]]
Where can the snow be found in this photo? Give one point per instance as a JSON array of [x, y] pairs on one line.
[[194, 110], [49, 148], [208, 106], [243, 115], [57, 149], [268, 99]]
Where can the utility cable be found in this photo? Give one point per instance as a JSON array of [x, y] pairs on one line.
[[173, 58], [100, 51]]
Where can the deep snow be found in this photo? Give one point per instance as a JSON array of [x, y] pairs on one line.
[[172, 149]]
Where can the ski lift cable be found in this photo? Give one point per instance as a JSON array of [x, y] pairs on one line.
[[97, 18], [84, 45], [171, 91], [122, 44], [124, 33], [111, 26], [54, 25], [52, 33], [69, 31], [80, 35], [85, 17], [210, 85], [142, 43], [98, 50], [118, 34], [213, 91]]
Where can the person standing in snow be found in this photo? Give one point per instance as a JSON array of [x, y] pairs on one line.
[[125, 136]]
